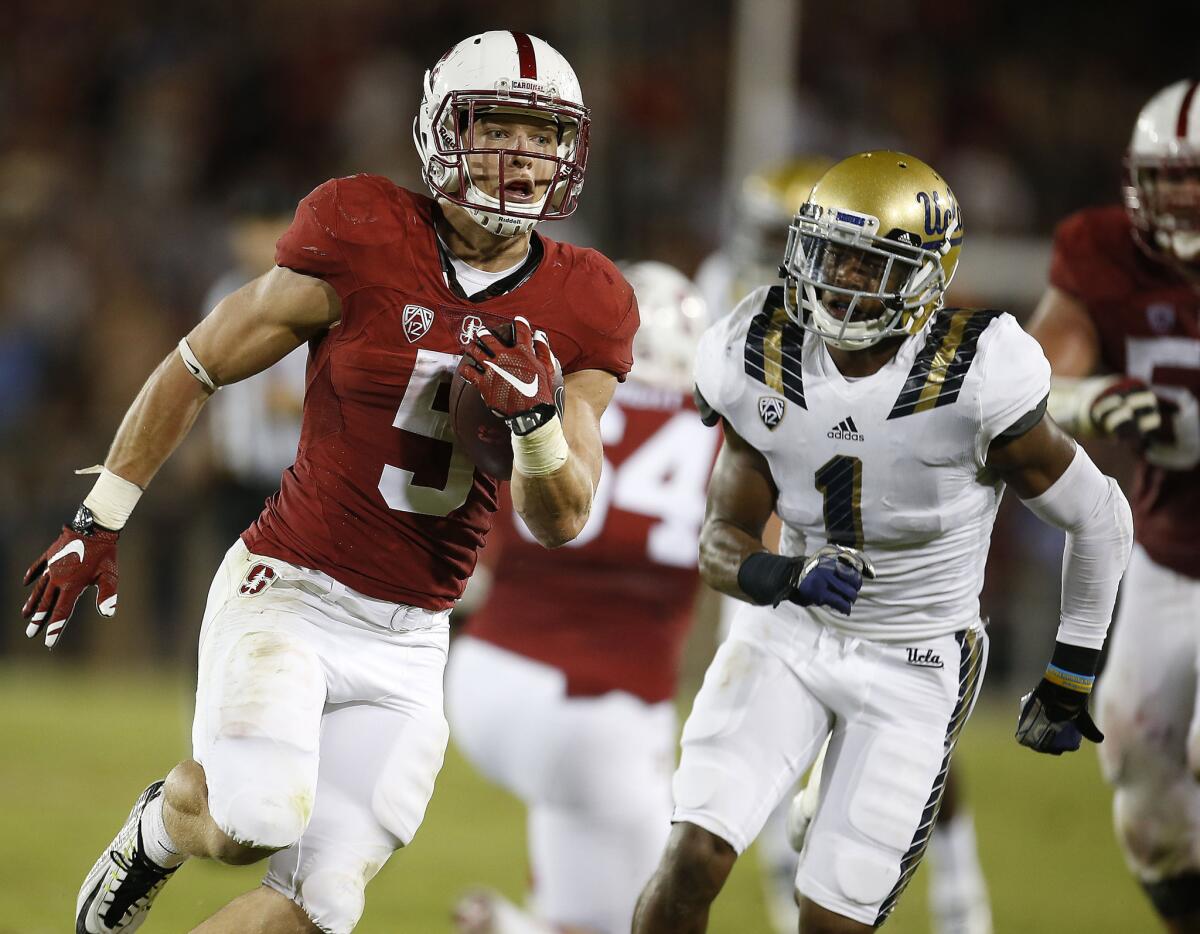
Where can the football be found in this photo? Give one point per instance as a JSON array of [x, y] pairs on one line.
[[477, 429]]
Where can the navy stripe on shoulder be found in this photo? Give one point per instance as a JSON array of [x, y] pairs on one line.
[[773, 346], [938, 372]]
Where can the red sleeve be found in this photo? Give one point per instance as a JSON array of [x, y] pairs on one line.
[[1090, 256], [609, 328], [612, 352], [312, 245]]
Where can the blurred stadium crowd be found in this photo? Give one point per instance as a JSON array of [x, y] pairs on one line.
[[137, 136]]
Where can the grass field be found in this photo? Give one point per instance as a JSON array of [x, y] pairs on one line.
[[79, 746]]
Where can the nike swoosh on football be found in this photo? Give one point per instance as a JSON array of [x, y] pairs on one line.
[[71, 548], [527, 389]]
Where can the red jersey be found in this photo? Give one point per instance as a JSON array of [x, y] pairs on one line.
[[1148, 319], [612, 608], [379, 497]]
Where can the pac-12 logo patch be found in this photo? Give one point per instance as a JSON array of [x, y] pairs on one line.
[[416, 320], [770, 410], [257, 579]]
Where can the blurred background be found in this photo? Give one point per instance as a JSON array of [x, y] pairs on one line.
[[151, 151]]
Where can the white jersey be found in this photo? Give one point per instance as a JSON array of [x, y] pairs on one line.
[[891, 463]]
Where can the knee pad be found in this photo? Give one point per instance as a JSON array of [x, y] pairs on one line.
[[260, 793], [334, 899], [260, 751], [1147, 819]]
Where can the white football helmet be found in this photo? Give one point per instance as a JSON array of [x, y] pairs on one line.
[[1162, 172], [674, 316], [510, 73]]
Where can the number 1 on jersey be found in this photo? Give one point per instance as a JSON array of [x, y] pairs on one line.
[[840, 481]]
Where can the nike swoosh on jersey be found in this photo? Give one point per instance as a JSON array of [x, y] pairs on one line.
[[527, 389], [71, 548]]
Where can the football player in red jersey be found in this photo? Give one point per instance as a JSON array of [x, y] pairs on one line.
[[319, 728], [561, 687], [1120, 323]]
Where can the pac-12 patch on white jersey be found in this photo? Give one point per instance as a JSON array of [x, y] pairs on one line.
[[891, 463]]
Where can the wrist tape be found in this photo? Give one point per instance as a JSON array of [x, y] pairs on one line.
[[112, 498], [541, 452], [766, 578]]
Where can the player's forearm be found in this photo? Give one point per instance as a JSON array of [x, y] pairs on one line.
[[555, 506], [724, 548], [1093, 512], [156, 423]]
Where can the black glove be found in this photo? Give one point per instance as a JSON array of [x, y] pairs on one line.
[[1054, 716]]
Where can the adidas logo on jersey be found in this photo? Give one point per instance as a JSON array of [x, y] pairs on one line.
[[845, 430]]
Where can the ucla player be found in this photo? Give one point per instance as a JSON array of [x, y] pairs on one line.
[[870, 418], [958, 900]]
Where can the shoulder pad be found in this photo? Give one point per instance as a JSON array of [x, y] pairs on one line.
[[773, 345], [940, 367]]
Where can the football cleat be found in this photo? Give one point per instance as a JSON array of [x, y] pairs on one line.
[[117, 893]]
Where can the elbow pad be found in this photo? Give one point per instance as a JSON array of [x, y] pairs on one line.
[[1094, 513]]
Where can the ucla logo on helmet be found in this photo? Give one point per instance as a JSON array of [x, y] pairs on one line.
[[937, 216]]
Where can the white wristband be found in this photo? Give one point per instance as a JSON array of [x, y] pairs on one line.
[[112, 498], [541, 452]]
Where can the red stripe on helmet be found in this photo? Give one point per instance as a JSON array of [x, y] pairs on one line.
[[525, 56], [1181, 124]]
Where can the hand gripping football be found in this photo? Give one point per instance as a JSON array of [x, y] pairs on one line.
[[478, 430]]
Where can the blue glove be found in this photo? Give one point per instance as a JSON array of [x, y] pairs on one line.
[[832, 577]]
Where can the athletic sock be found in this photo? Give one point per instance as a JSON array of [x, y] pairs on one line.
[[157, 844], [956, 883]]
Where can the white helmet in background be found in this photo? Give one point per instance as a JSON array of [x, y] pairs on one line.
[[674, 315], [1162, 189], [510, 73]]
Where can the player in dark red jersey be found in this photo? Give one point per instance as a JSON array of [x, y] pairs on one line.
[[561, 687], [1120, 324], [319, 727]]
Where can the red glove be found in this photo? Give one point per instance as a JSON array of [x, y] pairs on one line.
[[1129, 411], [515, 380], [83, 555]]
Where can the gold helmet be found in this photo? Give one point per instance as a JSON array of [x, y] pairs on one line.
[[872, 251], [768, 201]]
